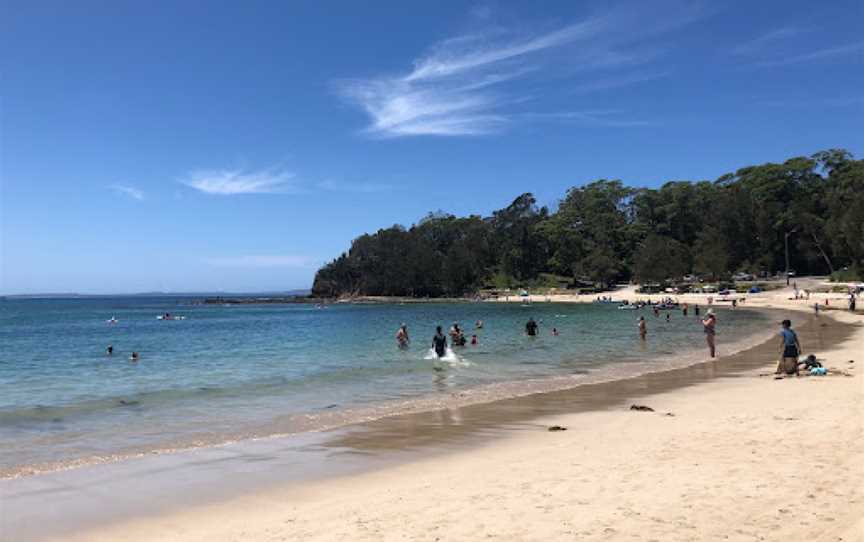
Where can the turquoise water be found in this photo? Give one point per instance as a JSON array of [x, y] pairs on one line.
[[231, 372]]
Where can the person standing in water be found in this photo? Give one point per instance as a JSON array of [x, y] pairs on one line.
[[709, 325], [402, 336], [790, 348], [439, 343], [643, 328], [531, 327], [696, 309]]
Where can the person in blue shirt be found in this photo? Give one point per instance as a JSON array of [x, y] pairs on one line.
[[790, 347]]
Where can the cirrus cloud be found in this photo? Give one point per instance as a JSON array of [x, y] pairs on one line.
[[227, 182]]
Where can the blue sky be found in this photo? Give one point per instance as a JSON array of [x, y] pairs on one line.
[[181, 146]]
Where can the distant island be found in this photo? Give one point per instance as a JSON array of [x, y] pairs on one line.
[[807, 209]]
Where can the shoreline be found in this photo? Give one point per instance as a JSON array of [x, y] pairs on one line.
[[340, 419], [469, 427]]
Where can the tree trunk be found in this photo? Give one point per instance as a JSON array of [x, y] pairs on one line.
[[819, 246]]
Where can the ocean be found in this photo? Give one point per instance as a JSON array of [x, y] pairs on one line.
[[227, 373]]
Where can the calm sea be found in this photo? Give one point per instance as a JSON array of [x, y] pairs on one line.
[[231, 372]]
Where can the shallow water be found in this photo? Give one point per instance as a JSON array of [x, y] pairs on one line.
[[233, 372]]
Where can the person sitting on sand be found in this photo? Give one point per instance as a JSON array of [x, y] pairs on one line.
[[439, 343], [531, 327], [643, 328], [402, 336], [790, 349], [709, 325]]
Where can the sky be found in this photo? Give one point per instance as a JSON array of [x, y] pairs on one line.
[[237, 146]]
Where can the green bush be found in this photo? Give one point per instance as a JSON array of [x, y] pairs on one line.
[[849, 274]]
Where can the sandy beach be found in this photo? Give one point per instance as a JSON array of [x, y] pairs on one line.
[[742, 457]]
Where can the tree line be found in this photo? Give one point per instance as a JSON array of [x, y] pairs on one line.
[[605, 232]]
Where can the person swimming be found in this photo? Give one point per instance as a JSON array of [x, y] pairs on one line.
[[135, 356], [457, 336], [402, 338], [531, 327], [439, 343], [110, 350], [478, 324], [473, 340], [555, 332]]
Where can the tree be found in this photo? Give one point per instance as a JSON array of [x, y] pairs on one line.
[[604, 232], [660, 258]]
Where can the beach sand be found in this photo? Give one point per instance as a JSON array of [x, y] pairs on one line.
[[744, 457]]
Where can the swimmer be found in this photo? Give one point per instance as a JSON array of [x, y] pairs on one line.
[[457, 337], [478, 324], [555, 332], [110, 350], [668, 317], [135, 356], [473, 340], [643, 328], [531, 327], [439, 343], [402, 338]]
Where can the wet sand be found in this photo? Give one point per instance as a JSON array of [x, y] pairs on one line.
[[436, 428]]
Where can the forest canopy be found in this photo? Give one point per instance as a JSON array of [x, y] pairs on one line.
[[605, 232]]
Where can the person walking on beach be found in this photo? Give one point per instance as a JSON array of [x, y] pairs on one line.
[[790, 349], [643, 328], [531, 327], [439, 343], [709, 325], [402, 338]]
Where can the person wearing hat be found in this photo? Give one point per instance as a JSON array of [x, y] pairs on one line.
[[790, 348], [708, 325]]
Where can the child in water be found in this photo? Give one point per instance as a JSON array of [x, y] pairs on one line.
[[473, 340]]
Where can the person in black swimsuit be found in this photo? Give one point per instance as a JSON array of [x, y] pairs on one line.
[[531, 327], [439, 343]]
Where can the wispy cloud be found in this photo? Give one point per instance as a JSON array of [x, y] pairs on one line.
[[758, 45], [475, 83], [231, 182], [607, 118], [129, 191], [820, 54], [285, 260]]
